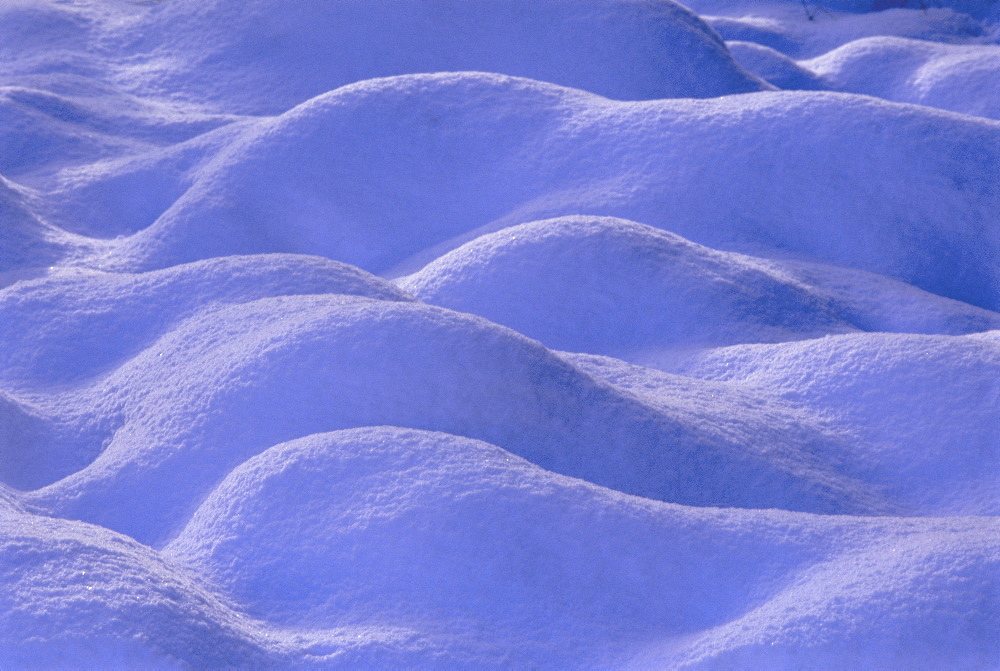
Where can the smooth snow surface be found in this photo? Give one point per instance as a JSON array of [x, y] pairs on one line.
[[961, 78], [500, 334]]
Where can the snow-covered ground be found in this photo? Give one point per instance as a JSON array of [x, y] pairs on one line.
[[500, 334]]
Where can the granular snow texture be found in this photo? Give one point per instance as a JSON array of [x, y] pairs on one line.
[[500, 334]]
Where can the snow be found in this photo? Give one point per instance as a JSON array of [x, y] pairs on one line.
[[928, 403], [549, 334], [611, 286], [775, 67], [508, 151], [807, 30], [239, 57], [960, 78]]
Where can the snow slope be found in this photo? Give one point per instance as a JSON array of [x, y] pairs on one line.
[[960, 78], [611, 286], [927, 52], [549, 334], [509, 151]]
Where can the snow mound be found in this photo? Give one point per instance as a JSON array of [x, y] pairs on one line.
[[499, 334], [859, 596], [611, 286], [924, 404], [230, 381], [608, 285], [892, 189], [75, 324], [79, 595], [468, 537], [72, 327], [285, 564], [26, 241], [860, 435], [248, 57], [775, 67], [40, 128], [117, 195], [808, 29], [26, 435], [343, 175], [960, 78]]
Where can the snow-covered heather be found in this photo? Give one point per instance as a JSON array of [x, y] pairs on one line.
[[500, 334]]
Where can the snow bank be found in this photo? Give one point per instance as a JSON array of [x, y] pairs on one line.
[[343, 176], [765, 434], [926, 405], [74, 326], [229, 381], [469, 537], [960, 78], [775, 67], [264, 56], [817, 27], [77, 594], [862, 618], [611, 286], [26, 241]]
